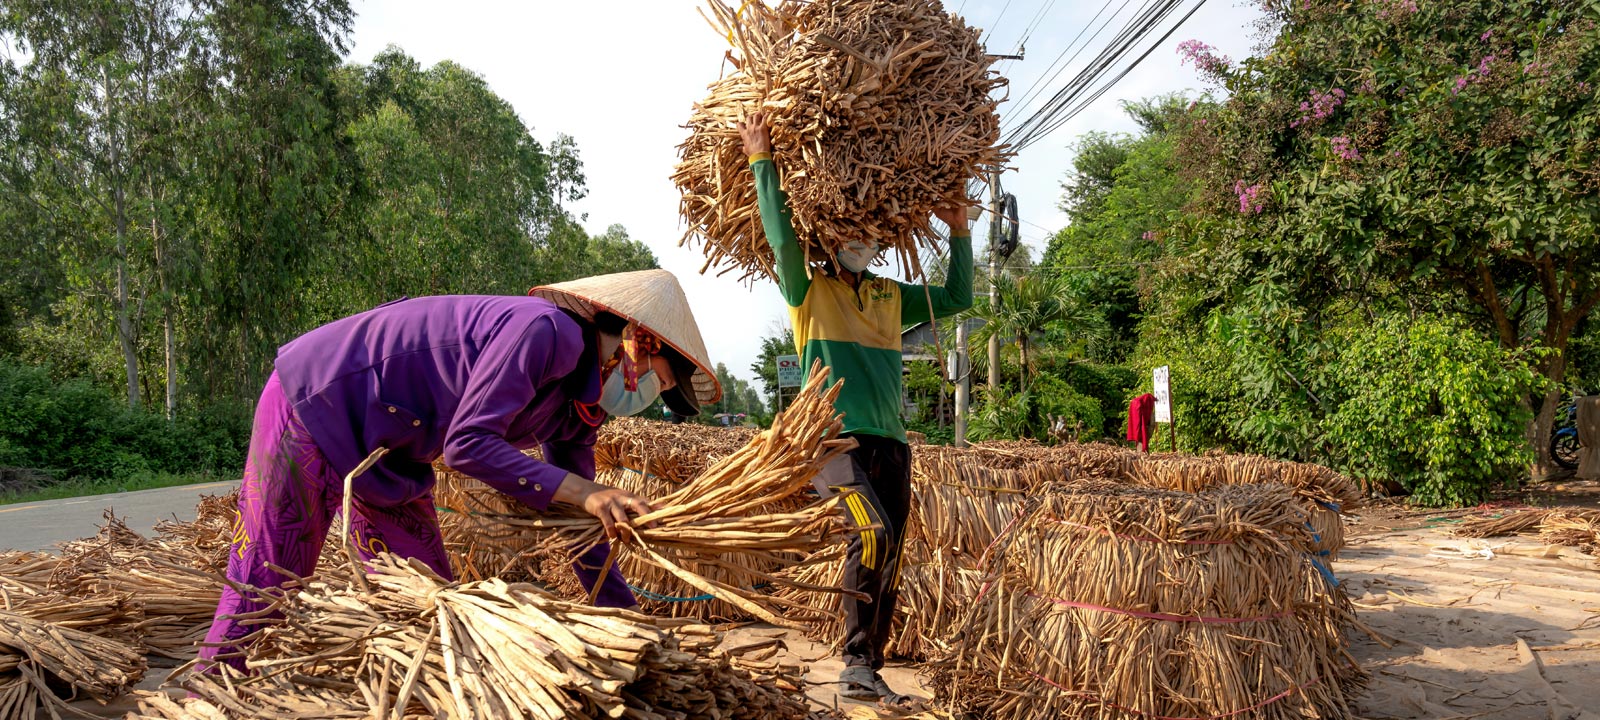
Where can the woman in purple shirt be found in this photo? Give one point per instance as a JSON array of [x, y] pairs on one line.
[[471, 379]]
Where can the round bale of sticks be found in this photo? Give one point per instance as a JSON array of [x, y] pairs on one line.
[[1118, 602], [880, 110]]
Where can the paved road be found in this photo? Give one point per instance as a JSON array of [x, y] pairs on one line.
[[41, 525]]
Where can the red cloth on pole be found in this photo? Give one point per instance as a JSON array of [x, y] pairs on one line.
[[1142, 420]]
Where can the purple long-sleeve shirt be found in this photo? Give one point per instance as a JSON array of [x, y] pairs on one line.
[[471, 378]]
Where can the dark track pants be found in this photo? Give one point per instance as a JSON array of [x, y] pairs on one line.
[[879, 471]]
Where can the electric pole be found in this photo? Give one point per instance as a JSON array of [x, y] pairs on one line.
[[994, 274]]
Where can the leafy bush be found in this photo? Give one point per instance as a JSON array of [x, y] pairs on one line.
[[73, 430], [935, 435], [1033, 413], [1208, 397], [1430, 405], [1111, 386]]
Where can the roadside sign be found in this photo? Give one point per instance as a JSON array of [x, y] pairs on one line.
[[1163, 393], [789, 374]]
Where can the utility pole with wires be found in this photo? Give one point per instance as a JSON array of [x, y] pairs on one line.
[[994, 274], [1004, 235]]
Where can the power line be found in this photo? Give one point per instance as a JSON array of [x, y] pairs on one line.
[[1087, 85], [995, 26], [1027, 32], [1067, 116], [1057, 64], [1138, 26]]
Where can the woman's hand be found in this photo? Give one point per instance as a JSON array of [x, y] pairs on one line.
[[756, 134], [614, 507]]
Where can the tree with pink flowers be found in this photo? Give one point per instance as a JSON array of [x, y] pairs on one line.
[[1437, 155]]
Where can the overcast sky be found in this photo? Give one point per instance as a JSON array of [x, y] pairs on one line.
[[621, 76]]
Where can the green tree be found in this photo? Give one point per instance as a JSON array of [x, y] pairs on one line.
[[1030, 305], [88, 178], [1123, 199], [1431, 156], [778, 341], [737, 397]]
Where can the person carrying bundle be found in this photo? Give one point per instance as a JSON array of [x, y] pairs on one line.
[[850, 319], [472, 380]]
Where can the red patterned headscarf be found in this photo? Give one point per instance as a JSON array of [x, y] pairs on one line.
[[638, 348]]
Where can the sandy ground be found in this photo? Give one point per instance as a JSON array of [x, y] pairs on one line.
[[1476, 628]]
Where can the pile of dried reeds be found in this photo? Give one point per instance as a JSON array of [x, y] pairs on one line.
[[479, 546], [39, 654], [1325, 493], [1572, 527], [881, 111], [675, 452], [175, 578], [1119, 602], [51, 641], [397, 641], [722, 535], [963, 499]]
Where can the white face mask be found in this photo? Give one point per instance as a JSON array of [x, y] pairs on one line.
[[857, 255], [618, 402]]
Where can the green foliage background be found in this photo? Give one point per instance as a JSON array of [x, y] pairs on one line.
[[188, 184]]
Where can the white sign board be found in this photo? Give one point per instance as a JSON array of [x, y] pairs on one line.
[[1163, 393], [789, 374]]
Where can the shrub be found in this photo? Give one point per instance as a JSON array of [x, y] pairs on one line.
[[1432, 406], [73, 430]]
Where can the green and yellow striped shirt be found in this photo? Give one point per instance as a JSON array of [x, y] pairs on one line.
[[855, 331]]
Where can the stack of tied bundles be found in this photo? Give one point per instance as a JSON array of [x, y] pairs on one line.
[[56, 647], [1122, 603], [1324, 492], [881, 111]]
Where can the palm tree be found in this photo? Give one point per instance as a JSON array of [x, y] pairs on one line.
[[1029, 304]]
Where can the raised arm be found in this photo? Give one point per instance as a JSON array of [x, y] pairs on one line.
[[790, 260], [956, 293]]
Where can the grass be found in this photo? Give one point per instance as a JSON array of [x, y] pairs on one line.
[[138, 481]]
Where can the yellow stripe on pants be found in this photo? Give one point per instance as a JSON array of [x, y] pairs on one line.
[[869, 540]]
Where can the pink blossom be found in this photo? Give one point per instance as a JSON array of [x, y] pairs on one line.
[[1213, 66], [1483, 65], [1461, 84], [1345, 149], [1486, 35], [1320, 107], [1396, 9], [1249, 197], [1149, 235]]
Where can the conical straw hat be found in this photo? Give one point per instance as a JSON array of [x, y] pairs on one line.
[[652, 298]]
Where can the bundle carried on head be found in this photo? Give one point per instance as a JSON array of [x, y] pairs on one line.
[[880, 110], [1125, 603], [404, 643]]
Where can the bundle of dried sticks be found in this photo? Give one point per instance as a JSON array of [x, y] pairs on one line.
[[881, 111]]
